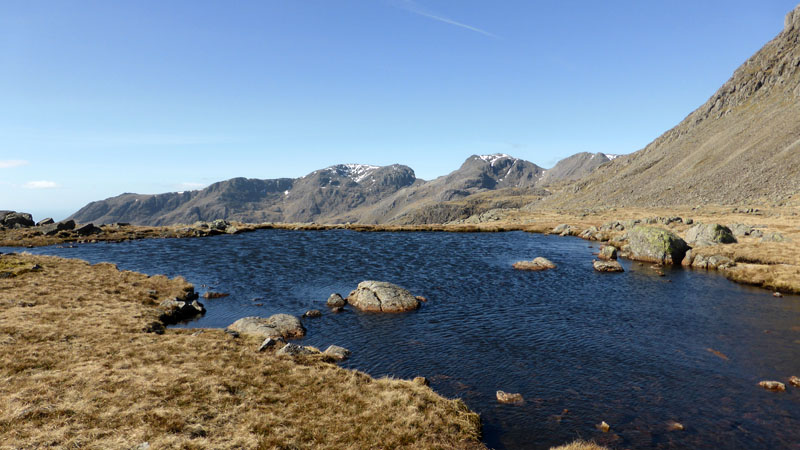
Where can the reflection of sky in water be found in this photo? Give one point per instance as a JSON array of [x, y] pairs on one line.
[[633, 349]]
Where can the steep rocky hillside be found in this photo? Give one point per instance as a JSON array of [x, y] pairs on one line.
[[741, 147], [575, 167]]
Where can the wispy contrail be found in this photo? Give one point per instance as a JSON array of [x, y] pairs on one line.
[[412, 6]]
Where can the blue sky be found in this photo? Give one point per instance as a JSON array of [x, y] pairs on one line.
[[100, 98]]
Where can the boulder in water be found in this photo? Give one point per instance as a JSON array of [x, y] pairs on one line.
[[380, 296], [535, 265], [275, 326]]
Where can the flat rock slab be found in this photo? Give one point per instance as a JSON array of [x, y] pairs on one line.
[[535, 265], [380, 296], [276, 326]]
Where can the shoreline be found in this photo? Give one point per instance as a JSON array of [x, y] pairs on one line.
[[772, 266]]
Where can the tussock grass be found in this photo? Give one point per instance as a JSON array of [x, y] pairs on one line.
[[580, 445], [76, 370]]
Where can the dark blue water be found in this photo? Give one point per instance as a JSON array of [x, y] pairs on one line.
[[630, 349]]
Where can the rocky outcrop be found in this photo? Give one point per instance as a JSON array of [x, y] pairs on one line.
[[276, 326], [607, 266], [705, 234], [13, 219], [53, 228], [380, 296], [537, 264], [653, 244]]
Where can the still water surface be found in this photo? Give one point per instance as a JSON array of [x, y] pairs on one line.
[[631, 349]]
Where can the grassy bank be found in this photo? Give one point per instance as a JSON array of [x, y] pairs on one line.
[[77, 370]]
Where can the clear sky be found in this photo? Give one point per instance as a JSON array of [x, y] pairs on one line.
[[98, 98]]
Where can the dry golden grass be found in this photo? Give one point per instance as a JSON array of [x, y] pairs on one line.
[[76, 370], [580, 445]]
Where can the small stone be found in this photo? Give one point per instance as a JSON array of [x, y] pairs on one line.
[[155, 327], [210, 294], [311, 313], [234, 334], [607, 266], [422, 381], [773, 385], [675, 426], [337, 309], [421, 298], [269, 343], [509, 398], [337, 352], [196, 431], [607, 253], [335, 300], [197, 333], [795, 381], [603, 426], [777, 294], [142, 446], [295, 350]]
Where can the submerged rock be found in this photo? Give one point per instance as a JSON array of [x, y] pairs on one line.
[[603, 426], [794, 381], [653, 244], [312, 313], [380, 296], [509, 398], [210, 294], [535, 265], [276, 326], [607, 266]]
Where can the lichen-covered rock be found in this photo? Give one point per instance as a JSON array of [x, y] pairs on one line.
[[712, 262], [563, 229], [705, 234], [608, 252], [537, 264], [774, 237], [275, 326], [653, 244], [607, 266], [380, 296]]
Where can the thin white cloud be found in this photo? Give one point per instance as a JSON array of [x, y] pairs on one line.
[[9, 163], [413, 7], [42, 184]]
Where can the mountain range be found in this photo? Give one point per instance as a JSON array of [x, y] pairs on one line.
[[336, 194], [742, 146]]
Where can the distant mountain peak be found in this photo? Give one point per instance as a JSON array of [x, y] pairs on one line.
[[493, 158], [356, 172]]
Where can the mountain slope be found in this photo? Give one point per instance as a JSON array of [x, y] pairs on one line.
[[741, 146], [575, 167]]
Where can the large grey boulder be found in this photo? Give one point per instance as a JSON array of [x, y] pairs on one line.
[[705, 234], [275, 326], [657, 245], [53, 228], [380, 296]]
